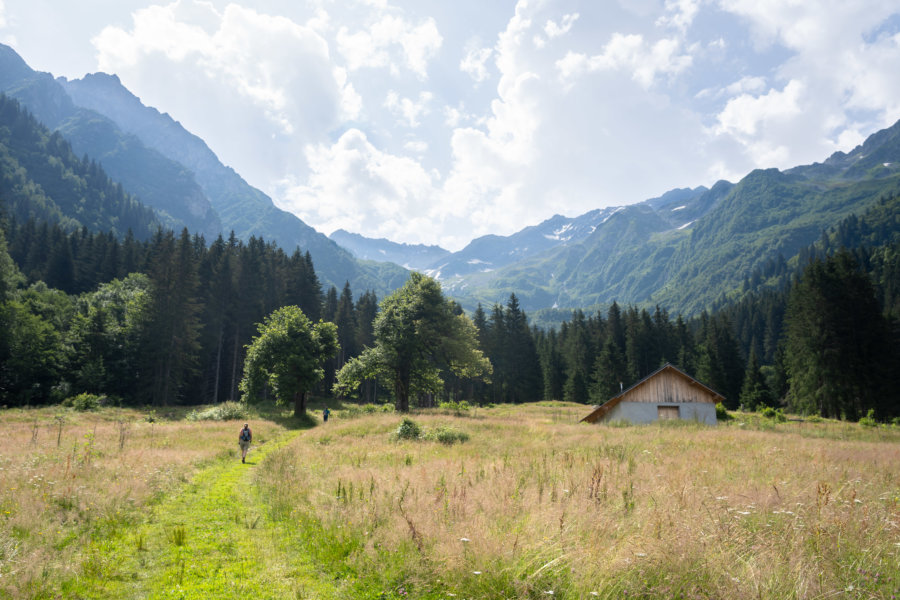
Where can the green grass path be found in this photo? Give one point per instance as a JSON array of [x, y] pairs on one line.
[[214, 539]]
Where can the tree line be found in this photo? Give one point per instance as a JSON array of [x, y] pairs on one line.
[[161, 321], [170, 320]]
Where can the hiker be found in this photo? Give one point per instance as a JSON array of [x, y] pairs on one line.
[[244, 439], [325, 414]]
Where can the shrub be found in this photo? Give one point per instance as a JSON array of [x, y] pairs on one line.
[[227, 411], [722, 412], [776, 414], [869, 419], [358, 410], [84, 402], [408, 430], [447, 435], [457, 408]]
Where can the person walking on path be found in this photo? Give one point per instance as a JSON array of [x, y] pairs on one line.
[[325, 414], [244, 439]]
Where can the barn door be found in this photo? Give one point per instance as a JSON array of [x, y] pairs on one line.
[[664, 413]]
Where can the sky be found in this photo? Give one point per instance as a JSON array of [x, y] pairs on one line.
[[437, 121]]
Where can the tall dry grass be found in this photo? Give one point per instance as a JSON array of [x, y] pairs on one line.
[[535, 505], [70, 480]]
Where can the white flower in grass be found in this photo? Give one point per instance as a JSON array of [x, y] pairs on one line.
[[464, 540], [476, 572]]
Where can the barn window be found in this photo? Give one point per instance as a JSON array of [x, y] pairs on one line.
[[664, 413]]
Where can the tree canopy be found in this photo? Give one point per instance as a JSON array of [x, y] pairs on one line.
[[287, 357], [837, 342], [419, 335]]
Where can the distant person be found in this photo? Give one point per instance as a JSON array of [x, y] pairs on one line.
[[244, 439], [325, 414]]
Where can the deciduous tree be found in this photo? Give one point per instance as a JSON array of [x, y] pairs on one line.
[[287, 357], [418, 334]]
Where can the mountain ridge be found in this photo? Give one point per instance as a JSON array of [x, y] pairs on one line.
[[106, 122]]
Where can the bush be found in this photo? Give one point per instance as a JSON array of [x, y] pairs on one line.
[[722, 412], [227, 411], [776, 415], [447, 435], [358, 410], [408, 430], [869, 419], [457, 408], [84, 402]]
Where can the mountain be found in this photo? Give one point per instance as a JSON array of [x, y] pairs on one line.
[[160, 183], [174, 171], [410, 256], [689, 248], [42, 178], [242, 208]]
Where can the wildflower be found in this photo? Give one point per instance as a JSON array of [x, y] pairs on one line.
[[464, 540], [476, 572]]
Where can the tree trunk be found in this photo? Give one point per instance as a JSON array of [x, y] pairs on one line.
[[234, 364], [299, 404], [218, 364]]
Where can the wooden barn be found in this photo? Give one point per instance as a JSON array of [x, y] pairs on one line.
[[668, 393]]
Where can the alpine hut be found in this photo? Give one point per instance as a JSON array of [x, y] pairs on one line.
[[667, 393]]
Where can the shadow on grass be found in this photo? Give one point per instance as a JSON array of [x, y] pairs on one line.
[[284, 416]]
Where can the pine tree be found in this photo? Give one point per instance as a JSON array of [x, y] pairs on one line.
[[837, 342], [755, 394], [523, 374]]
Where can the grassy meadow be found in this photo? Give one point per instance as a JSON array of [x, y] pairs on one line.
[[515, 502]]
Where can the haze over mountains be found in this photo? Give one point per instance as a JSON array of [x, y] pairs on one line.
[[683, 250], [172, 171]]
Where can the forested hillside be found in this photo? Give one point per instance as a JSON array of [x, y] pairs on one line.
[[174, 171], [162, 184], [167, 321], [160, 321], [693, 250], [42, 178]]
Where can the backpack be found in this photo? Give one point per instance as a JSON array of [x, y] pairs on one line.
[[245, 435]]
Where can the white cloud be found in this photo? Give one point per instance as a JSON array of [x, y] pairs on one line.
[[407, 108], [680, 13], [354, 186], [554, 29], [632, 53], [839, 81], [242, 80], [475, 63], [746, 114], [416, 146], [744, 85], [372, 47]]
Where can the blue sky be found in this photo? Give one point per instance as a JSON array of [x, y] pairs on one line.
[[437, 122]]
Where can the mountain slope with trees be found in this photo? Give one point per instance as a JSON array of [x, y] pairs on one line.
[[242, 208], [173, 171], [42, 178], [162, 184]]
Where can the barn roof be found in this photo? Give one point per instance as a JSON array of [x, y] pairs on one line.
[[601, 411]]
